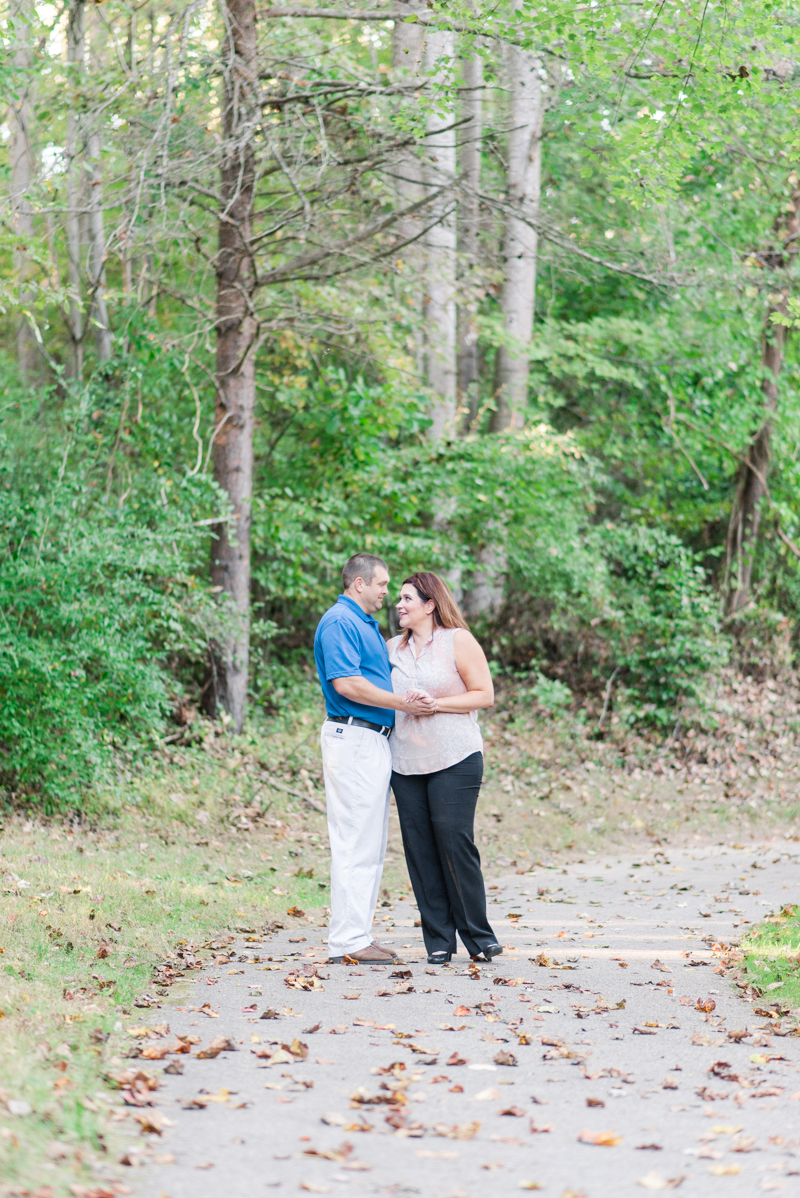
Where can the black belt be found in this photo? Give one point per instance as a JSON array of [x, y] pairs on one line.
[[381, 729]]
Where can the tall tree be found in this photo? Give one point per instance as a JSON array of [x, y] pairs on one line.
[[468, 229], [20, 119], [97, 237], [518, 291], [440, 241], [236, 335], [76, 37], [752, 483]]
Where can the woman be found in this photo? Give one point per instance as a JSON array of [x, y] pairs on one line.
[[437, 766]]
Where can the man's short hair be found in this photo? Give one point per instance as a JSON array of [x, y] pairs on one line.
[[361, 565]]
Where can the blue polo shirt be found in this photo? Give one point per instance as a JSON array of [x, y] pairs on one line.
[[349, 644]]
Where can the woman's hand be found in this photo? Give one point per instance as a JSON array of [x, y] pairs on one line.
[[419, 702]]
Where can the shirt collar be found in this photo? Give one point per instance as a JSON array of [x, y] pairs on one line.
[[355, 608]]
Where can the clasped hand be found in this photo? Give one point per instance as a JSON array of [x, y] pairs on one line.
[[420, 703]]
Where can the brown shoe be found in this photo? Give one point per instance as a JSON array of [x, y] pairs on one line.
[[371, 955]]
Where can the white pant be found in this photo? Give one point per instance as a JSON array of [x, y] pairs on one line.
[[357, 767]]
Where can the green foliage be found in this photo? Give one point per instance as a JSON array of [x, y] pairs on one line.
[[550, 693], [99, 607], [771, 958], [662, 624]]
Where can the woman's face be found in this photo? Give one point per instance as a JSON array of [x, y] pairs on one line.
[[412, 609]]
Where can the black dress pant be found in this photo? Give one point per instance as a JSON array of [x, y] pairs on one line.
[[437, 813]]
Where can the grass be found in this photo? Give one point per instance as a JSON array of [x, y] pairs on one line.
[[771, 958], [227, 833]]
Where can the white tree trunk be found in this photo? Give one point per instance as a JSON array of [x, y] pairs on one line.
[[76, 36], [20, 117], [440, 275], [469, 135], [407, 54], [97, 248], [520, 241]]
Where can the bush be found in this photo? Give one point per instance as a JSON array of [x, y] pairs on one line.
[[663, 627]]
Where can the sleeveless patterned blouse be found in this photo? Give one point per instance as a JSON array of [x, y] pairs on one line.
[[427, 743]]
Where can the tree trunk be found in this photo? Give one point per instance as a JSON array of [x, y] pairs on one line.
[[440, 244], [752, 485], [407, 52], [236, 337], [468, 229], [20, 117], [520, 241], [97, 248], [76, 36]]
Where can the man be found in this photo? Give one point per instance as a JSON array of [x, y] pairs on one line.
[[355, 676]]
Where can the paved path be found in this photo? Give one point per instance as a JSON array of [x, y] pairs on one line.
[[607, 1040]]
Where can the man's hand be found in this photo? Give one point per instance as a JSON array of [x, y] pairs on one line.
[[419, 703]]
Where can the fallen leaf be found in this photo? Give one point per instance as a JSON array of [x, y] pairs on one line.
[[455, 1059], [486, 1096], [724, 1170], [654, 1181], [529, 1185], [505, 1058], [152, 1122], [402, 973], [603, 1139], [595, 1102], [516, 1111], [296, 912], [705, 1004], [456, 1131], [313, 1187], [218, 1044], [460, 1012], [333, 1119], [545, 1127]]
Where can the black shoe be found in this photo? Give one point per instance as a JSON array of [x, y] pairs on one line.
[[441, 958], [491, 950]]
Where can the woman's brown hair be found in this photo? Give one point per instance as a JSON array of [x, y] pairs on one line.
[[446, 613]]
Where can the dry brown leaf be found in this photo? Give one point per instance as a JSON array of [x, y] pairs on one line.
[[602, 1139], [460, 1012], [152, 1122], [705, 1004], [455, 1059], [456, 1131], [505, 1058], [515, 1111], [219, 1044]]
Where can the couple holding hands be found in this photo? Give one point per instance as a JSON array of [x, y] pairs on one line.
[[403, 715]]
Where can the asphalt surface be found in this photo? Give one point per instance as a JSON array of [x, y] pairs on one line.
[[595, 999]]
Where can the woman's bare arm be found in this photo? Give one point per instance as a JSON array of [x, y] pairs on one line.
[[473, 667]]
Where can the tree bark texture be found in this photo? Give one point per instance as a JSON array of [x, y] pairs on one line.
[[237, 332], [20, 117], [408, 42], [97, 249], [752, 483], [76, 37], [469, 165], [439, 314], [520, 241]]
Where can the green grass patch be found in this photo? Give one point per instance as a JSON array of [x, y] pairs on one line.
[[772, 957]]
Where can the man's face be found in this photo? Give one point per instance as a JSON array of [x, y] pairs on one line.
[[373, 593]]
